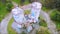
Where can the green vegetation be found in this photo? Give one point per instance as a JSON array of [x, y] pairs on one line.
[[18, 2], [42, 23], [57, 25], [9, 5], [21, 2], [5, 8], [55, 16], [46, 9], [26, 12], [43, 30], [3, 11], [10, 30], [52, 4], [26, 2]]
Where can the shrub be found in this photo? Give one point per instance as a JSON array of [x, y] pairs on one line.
[[55, 15], [43, 30], [9, 5]]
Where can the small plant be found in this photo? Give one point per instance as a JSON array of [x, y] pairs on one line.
[[43, 30]]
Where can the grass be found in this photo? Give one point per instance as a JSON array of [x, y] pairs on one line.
[[18, 2], [10, 30], [3, 11]]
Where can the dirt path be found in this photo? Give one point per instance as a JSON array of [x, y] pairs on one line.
[[4, 24]]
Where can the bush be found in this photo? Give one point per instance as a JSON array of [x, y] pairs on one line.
[[43, 30], [55, 15], [9, 5]]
